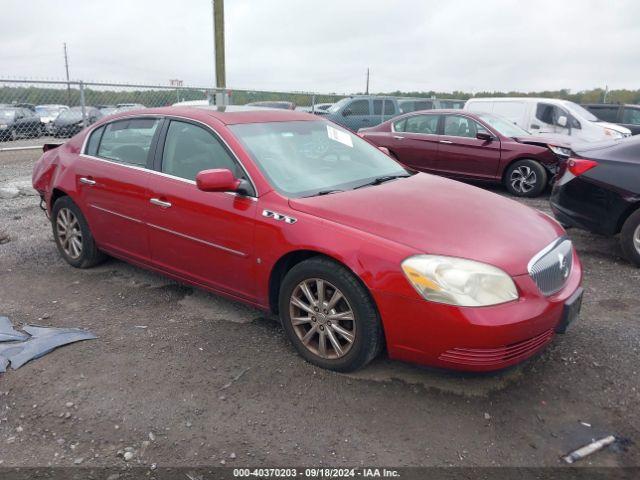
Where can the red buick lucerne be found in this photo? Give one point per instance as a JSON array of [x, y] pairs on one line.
[[472, 146], [298, 216]]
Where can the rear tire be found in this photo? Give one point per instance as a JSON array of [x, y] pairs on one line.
[[73, 236], [526, 178], [630, 238], [341, 335]]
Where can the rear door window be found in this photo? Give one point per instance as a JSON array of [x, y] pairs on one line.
[[389, 109], [128, 141], [426, 124]]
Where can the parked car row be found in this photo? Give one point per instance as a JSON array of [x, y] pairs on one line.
[[469, 146], [19, 120], [300, 217], [362, 111]]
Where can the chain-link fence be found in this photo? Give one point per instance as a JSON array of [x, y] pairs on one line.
[[34, 112]]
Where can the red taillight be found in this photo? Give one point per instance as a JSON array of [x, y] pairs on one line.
[[578, 166]]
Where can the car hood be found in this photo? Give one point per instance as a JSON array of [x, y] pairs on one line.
[[615, 127], [440, 216], [548, 139]]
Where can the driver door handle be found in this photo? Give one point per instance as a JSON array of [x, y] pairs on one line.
[[87, 181], [398, 137], [160, 203]]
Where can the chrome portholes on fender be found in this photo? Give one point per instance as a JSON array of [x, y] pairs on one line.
[[278, 216]]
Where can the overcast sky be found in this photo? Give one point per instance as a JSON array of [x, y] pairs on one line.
[[326, 45]]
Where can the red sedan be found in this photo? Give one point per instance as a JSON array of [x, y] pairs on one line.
[[471, 146], [299, 217]]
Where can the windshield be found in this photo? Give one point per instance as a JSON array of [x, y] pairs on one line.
[[7, 113], [502, 125], [338, 105], [48, 111], [579, 111], [304, 158], [71, 115]]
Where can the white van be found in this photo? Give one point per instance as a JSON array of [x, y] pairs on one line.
[[549, 115]]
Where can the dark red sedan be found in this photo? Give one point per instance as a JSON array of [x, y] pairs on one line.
[[471, 146], [299, 217]]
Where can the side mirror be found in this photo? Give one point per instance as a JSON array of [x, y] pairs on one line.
[[346, 112], [487, 137], [562, 121], [217, 180], [384, 150]]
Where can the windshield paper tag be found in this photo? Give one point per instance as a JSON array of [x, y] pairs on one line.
[[338, 136]]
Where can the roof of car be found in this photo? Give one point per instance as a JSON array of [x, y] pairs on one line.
[[229, 115]]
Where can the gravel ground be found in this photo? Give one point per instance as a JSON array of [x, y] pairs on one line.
[[181, 377]]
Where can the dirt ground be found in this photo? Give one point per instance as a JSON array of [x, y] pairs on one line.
[[181, 377]]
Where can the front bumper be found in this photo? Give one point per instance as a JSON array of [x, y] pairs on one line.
[[474, 338]]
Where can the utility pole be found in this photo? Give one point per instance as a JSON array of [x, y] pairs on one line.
[[367, 89], [218, 44], [66, 67]]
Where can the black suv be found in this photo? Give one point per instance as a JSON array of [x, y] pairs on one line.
[[626, 115]]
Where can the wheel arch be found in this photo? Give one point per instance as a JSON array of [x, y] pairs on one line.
[[631, 209], [56, 193], [289, 260]]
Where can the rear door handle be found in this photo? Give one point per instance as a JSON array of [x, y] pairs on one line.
[[446, 141], [535, 126], [160, 203], [398, 137], [87, 181]]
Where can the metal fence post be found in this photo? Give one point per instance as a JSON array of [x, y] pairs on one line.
[[313, 103], [84, 112]]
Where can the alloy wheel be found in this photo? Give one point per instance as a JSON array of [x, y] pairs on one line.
[[636, 239], [322, 318], [69, 233], [523, 179]]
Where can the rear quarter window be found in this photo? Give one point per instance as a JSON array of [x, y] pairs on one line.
[[94, 141]]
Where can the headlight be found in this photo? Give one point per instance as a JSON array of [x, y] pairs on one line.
[[457, 281], [560, 151], [612, 133]]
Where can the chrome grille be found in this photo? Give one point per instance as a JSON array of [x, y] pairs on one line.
[[551, 267]]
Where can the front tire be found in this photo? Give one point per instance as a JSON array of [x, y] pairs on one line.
[[630, 238], [73, 236], [329, 316], [526, 178]]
